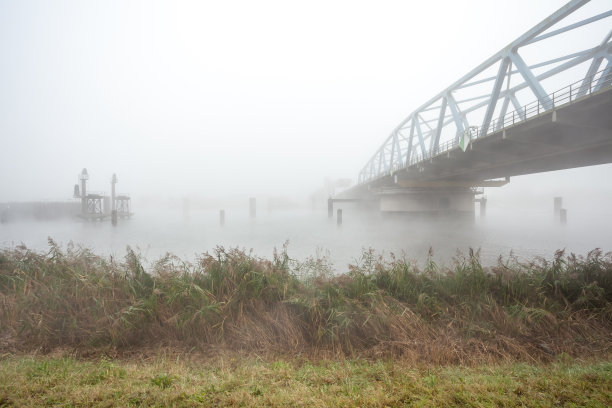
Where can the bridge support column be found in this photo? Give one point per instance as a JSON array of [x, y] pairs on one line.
[[427, 202], [483, 207]]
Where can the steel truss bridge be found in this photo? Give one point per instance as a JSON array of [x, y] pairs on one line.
[[501, 120]]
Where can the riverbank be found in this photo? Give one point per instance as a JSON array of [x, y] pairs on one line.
[[380, 308]]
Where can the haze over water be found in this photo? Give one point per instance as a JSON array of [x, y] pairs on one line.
[[525, 233]]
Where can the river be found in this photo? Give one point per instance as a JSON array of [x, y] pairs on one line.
[[525, 233]]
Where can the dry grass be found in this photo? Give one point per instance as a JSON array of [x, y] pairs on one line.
[[380, 308]]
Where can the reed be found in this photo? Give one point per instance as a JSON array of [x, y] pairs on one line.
[[381, 306]]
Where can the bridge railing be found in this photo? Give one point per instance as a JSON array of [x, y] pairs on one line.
[[442, 123]]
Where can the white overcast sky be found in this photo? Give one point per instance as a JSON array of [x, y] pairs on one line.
[[228, 97]]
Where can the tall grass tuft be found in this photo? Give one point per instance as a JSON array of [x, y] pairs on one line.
[[380, 306]]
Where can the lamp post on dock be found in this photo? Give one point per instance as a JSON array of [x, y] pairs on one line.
[[84, 177], [114, 181]]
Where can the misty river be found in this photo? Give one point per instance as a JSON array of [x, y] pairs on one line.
[[309, 233]]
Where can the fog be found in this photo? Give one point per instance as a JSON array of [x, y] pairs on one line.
[[197, 106]]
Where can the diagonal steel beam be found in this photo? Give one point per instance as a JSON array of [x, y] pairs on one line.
[[435, 140], [540, 77], [517, 106], [502, 113], [415, 120], [570, 27], [606, 76], [532, 67], [424, 122], [386, 161], [432, 121], [401, 135], [410, 139], [474, 98], [531, 80], [396, 151], [501, 75], [380, 160], [393, 142], [457, 117], [504, 108], [586, 83], [548, 22]]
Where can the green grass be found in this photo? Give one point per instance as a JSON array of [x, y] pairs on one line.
[[380, 307], [236, 380]]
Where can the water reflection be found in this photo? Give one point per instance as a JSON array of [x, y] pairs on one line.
[[526, 234]]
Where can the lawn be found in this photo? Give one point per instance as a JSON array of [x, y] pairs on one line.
[[231, 379]]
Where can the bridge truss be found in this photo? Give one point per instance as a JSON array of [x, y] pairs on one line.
[[478, 104]]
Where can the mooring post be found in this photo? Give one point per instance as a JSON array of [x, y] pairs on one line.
[[222, 217], [557, 205], [253, 207], [339, 216], [114, 217], [330, 207], [563, 215]]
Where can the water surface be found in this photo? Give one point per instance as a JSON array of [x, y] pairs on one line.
[[309, 233]]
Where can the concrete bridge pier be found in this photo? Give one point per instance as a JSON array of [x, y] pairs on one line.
[[482, 201], [483, 207], [429, 202]]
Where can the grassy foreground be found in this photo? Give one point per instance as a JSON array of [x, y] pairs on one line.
[[234, 329], [233, 381]]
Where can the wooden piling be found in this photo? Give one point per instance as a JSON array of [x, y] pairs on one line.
[[563, 215], [558, 203]]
